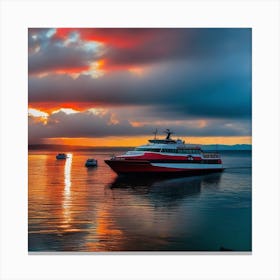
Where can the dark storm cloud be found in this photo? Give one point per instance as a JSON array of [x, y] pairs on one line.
[[56, 57], [87, 124], [169, 44], [205, 88], [137, 46]]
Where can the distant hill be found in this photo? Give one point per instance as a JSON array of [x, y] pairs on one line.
[[239, 147]]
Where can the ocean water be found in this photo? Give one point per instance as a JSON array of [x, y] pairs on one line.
[[78, 209]]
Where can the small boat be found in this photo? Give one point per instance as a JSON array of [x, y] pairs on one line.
[[91, 162], [166, 156], [61, 156]]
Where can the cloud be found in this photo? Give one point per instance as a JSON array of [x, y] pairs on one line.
[[206, 88], [181, 77], [175, 44], [106, 123], [70, 56], [123, 48]]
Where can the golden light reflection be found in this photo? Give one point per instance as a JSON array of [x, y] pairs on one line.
[[105, 230], [128, 141], [67, 191]]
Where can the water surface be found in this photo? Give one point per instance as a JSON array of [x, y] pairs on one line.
[[74, 208]]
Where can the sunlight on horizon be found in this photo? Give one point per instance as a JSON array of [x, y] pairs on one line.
[[141, 140]]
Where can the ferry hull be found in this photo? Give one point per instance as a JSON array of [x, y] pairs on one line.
[[139, 167]]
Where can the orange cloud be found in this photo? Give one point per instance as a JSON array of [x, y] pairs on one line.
[[119, 42], [107, 65], [72, 70], [123, 38], [63, 70], [62, 33], [49, 107]]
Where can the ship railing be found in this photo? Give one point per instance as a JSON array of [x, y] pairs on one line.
[[211, 155]]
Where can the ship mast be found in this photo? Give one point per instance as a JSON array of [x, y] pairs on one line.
[[155, 133]]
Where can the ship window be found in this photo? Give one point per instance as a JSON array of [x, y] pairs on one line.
[[188, 151], [154, 150], [147, 149], [169, 150]]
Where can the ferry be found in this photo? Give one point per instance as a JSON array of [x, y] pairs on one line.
[[61, 156], [166, 156], [91, 162]]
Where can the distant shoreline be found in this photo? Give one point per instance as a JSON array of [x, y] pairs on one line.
[[237, 147]]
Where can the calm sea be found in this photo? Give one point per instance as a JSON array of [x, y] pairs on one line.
[[74, 208]]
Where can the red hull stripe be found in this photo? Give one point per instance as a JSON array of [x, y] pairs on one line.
[[122, 166], [155, 157]]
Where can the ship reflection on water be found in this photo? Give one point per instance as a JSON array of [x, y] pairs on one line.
[[160, 213], [165, 191]]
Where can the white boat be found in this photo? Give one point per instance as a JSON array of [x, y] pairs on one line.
[[91, 162], [61, 156], [166, 156]]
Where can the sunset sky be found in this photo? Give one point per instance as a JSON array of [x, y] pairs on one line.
[[115, 86]]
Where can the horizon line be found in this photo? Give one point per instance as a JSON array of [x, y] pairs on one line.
[[111, 146]]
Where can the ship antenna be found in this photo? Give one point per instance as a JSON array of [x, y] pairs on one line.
[[155, 133], [168, 132]]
